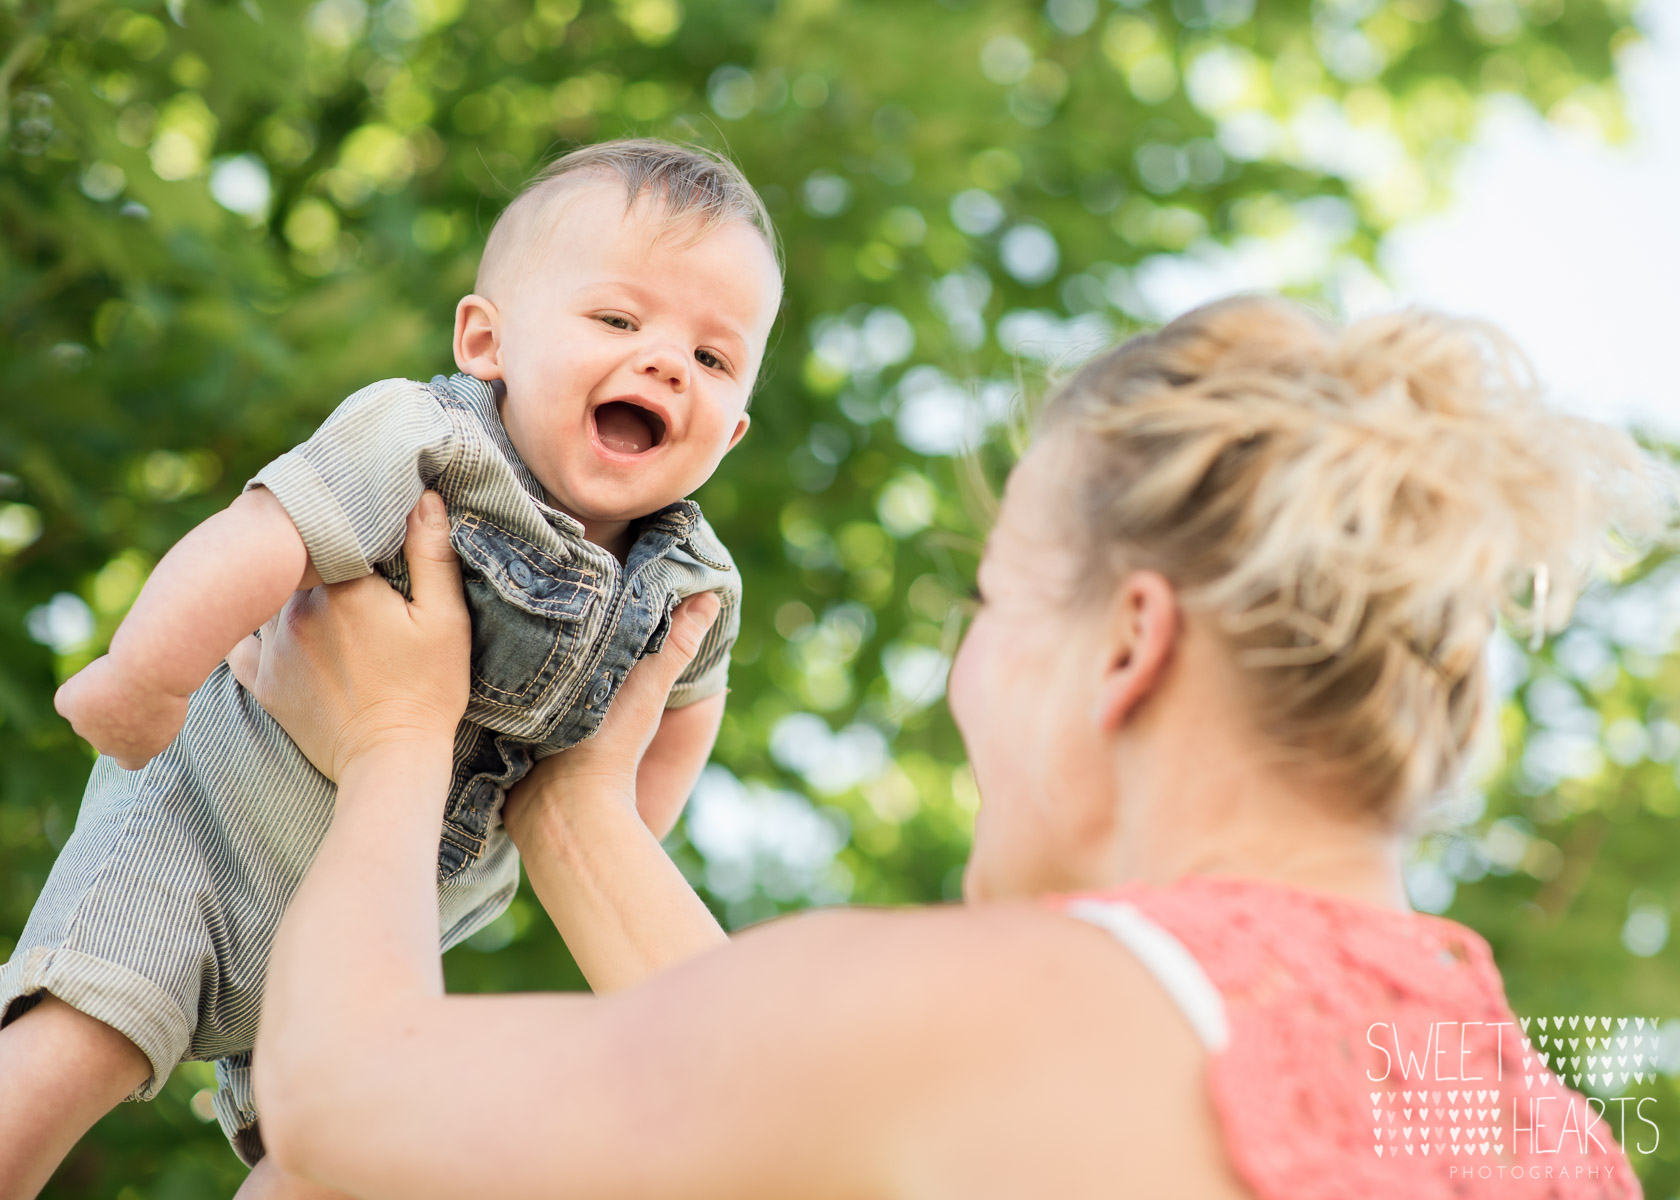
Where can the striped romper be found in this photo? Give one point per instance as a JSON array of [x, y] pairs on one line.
[[158, 915]]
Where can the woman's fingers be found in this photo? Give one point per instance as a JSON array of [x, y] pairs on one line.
[[615, 752], [653, 676], [432, 565], [245, 660], [635, 712], [689, 623]]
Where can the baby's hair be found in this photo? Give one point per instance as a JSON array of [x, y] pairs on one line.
[[692, 186], [1355, 506]]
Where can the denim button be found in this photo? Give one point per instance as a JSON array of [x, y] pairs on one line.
[[602, 689], [519, 573]]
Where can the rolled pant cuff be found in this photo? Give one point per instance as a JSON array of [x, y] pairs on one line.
[[128, 1002]]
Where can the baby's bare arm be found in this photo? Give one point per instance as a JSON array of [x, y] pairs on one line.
[[680, 749], [215, 586]]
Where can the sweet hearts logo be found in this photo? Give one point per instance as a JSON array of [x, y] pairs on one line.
[[1476, 1059]]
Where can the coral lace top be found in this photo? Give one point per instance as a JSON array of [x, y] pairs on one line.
[[1362, 1051]]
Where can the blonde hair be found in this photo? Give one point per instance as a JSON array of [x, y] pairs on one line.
[[1355, 505], [692, 186]]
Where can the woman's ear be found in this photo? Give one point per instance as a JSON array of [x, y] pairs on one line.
[[478, 348], [1137, 646]]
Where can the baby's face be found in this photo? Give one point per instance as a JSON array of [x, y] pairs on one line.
[[629, 352]]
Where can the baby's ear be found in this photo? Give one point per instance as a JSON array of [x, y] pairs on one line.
[[478, 349], [740, 431]]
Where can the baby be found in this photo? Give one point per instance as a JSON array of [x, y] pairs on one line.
[[607, 356]]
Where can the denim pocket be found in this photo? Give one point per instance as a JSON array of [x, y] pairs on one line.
[[656, 639], [486, 767], [527, 608]]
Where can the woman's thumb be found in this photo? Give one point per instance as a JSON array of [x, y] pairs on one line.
[[431, 559], [245, 661], [689, 623]]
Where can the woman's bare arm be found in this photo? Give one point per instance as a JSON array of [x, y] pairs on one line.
[[587, 822], [831, 1056], [377, 715], [357, 1075], [848, 1054], [619, 902], [787, 1065]]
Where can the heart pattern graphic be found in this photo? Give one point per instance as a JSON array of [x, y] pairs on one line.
[[1619, 1051]]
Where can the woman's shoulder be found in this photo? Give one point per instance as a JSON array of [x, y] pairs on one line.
[[1029, 1048], [1022, 951], [1006, 954]]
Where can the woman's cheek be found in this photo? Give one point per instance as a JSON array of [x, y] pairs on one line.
[[963, 685]]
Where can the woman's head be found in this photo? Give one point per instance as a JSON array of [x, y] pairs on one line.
[[1344, 511]]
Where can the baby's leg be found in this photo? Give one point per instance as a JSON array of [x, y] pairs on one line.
[[60, 1071], [267, 1182]]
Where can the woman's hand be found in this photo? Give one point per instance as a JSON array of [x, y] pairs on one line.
[[348, 668], [606, 764], [616, 897]]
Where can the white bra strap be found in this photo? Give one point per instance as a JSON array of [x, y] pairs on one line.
[[1166, 958]]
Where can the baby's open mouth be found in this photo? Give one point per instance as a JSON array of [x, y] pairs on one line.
[[628, 428]]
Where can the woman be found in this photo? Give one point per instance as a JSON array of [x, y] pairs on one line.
[[1232, 636]]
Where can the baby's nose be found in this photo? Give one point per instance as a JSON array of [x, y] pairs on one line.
[[666, 364]]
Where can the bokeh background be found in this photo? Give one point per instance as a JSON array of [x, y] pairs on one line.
[[220, 218]]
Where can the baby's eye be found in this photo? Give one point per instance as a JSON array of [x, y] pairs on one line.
[[707, 359], [617, 320]]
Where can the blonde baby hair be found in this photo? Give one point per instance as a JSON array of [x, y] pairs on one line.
[[693, 187]]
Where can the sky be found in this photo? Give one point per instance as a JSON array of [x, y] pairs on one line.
[[1569, 244], [1572, 246]]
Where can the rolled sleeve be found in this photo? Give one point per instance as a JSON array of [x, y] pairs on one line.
[[708, 674], [350, 487]]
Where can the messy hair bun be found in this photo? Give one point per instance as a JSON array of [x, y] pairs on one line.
[[1356, 505]]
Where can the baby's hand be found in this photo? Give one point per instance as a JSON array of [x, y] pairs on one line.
[[124, 719]]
